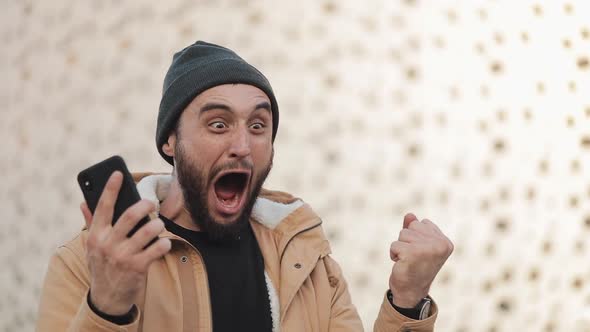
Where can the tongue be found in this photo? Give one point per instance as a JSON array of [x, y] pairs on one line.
[[225, 192], [227, 187]]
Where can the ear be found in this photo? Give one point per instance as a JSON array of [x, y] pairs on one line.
[[169, 146]]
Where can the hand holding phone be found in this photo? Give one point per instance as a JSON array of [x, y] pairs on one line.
[[92, 181], [118, 256]]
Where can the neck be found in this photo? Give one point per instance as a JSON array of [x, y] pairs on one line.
[[172, 207]]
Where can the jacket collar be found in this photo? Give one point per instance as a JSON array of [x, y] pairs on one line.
[[276, 211]]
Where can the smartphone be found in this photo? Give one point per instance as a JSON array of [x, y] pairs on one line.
[[93, 180]]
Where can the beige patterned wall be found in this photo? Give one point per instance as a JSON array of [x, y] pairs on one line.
[[472, 113]]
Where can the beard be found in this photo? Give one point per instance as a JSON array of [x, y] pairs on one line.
[[194, 184]]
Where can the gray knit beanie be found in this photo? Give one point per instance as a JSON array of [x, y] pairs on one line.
[[197, 68]]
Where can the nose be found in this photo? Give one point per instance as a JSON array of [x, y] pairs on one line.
[[240, 144]]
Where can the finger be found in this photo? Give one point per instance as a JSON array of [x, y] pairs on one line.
[[130, 218], [398, 250], [408, 219], [86, 213], [144, 235], [422, 228], [153, 252], [408, 236], [103, 214]]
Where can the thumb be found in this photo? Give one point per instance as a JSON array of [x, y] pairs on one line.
[[408, 219]]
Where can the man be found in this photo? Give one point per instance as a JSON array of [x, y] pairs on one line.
[[230, 255]]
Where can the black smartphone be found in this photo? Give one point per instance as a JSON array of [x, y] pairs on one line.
[[93, 180]]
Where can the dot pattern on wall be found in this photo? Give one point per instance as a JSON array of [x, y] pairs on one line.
[[474, 116]]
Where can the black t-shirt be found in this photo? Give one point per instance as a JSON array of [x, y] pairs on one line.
[[239, 296]]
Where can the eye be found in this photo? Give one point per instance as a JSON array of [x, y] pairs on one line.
[[218, 125], [258, 126]]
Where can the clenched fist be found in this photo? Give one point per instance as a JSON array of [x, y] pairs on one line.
[[118, 265], [419, 253]]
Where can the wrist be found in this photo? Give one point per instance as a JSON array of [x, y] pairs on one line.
[[407, 299], [418, 312], [120, 319], [110, 310]]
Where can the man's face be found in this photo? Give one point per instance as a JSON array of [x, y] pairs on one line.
[[222, 154]]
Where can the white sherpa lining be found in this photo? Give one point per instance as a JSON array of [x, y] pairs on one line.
[[154, 186], [269, 213], [273, 298], [265, 211]]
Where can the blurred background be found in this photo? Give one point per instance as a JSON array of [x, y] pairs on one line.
[[474, 114]]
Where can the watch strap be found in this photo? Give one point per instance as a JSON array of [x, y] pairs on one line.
[[419, 312]]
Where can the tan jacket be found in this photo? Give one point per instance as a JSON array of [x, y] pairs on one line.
[[306, 287]]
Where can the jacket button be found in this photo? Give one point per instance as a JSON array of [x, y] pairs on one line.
[[297, 266], [184, 259]]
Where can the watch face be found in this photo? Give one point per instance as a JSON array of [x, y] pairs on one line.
[[425, 310]]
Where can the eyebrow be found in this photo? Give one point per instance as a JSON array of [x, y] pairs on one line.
[[263, 105], [214, 106], [217, 106]]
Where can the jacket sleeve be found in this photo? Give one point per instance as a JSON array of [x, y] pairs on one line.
[[63, 305], [389, 319], [344, 316]]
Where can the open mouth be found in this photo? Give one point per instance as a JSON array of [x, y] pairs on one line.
[[229, 188]]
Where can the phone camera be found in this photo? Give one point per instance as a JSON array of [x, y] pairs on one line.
[[87, 185]]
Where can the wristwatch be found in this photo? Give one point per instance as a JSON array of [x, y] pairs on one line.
[[419, 312]]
